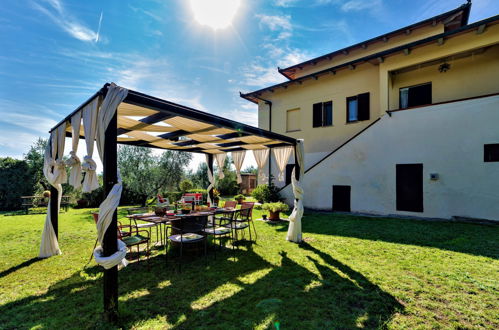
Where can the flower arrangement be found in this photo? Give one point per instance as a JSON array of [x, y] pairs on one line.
[[274, 209], [239, 198]]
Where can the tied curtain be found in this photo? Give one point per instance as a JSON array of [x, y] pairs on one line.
[[55, 173], [238, 158], [211, 179], [115, 95], [220, 158], [261, 157], [294, 229], [281, 157], [75, 176], [89, 114]]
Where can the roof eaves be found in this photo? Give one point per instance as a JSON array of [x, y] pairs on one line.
[[252, 95], [466, 7]]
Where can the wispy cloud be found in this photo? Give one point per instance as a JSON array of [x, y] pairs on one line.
[[276, 23], [32, 118], [98, 29], [54, 9], [147, 13], [245, 117], [285, 3], [258, 75], [358, 5], [263, 71]]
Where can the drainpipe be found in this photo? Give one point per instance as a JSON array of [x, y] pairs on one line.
[[269, 103]]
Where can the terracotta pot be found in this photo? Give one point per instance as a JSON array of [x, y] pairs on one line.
[[240, 201], [274, 215]]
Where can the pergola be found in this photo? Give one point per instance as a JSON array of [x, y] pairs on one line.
[[115, 115]]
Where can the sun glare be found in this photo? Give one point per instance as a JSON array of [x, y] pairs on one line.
[[217, 14]]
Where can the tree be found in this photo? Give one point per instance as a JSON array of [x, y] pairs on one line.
[[185, 185], [15, 181], [250, 169], [200, 177], [34, 159], [228, 185], [146, 174]]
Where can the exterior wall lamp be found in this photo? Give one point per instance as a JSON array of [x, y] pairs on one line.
[[444, 67]]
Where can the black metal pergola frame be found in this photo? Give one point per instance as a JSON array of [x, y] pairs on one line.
[[165, 109]]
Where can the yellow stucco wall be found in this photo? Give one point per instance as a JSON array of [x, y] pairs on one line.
[[327, 88], [373, 48], [455, 45], [468, 77]]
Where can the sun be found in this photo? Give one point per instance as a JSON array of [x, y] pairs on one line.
[[217, 14]]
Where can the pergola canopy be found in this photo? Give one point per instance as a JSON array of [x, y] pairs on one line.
[[149, 121], [117, 115]]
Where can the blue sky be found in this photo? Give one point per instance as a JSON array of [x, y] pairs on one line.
[[57, 53]]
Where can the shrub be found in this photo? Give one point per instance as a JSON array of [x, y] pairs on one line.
[[275, 207], [240, 196], [15, 181], [266, 193], [185, 185]]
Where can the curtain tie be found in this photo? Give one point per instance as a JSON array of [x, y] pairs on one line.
[[72, 160], [88, 164]]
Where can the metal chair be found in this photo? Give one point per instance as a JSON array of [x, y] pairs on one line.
[[218, 229], [249, 205], [229, 204], [240, 222], [189, 231], [132, 239]]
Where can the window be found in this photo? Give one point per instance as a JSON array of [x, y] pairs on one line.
[[358, 107], [491, 152], [293, 120], [323, 114], [415, 95]]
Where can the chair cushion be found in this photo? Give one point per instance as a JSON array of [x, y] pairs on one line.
[[146, 225], [217, 231], [134, 240], [237, 225], [186, 238]]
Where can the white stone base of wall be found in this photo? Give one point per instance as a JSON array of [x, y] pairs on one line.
[[448, 139]]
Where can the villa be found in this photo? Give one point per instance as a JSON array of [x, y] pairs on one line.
[[405, 123]]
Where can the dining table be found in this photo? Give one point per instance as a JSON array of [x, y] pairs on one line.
[[164, 221]]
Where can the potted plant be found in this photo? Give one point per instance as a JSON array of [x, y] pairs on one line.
[[216, 196], [274, 209], [239, 198]]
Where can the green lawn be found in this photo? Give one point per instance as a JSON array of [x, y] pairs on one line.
[[350, 272]]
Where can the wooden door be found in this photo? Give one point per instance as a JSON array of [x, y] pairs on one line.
[[409, 187], [341, 198]]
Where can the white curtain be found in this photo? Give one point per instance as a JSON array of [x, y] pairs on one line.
[[55, 173], [220, 158], [89, 114], [261, 157], [238, 158], [281, 157], [115, 95], [75, 176], [211, 179], [294, 229]]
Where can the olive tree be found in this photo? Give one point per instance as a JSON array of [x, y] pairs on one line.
[[146, 174]]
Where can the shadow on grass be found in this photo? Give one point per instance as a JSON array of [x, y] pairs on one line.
[[239, 292], [17, 267], [476, 239]]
